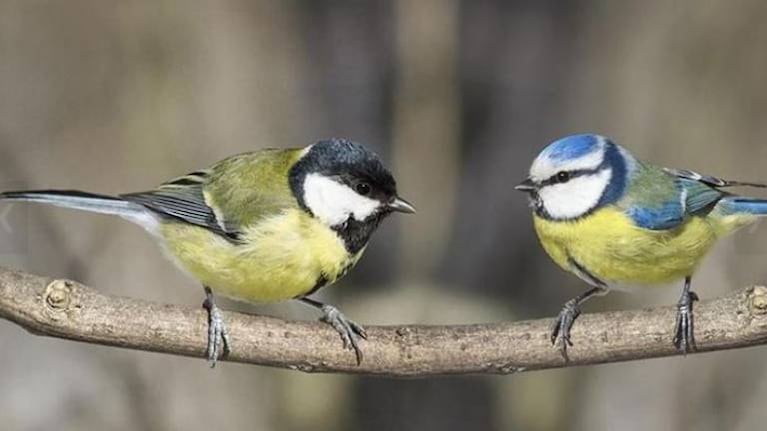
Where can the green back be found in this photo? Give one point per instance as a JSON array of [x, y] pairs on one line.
[[245, 188], [651, 187]]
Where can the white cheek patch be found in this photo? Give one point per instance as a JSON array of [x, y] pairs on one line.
[[576, 197], [333, 202]]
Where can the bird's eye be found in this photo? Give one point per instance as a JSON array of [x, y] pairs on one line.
[[363, 188], [563, 177]]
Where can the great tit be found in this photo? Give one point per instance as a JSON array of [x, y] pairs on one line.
[[263, 226], [609, 218]]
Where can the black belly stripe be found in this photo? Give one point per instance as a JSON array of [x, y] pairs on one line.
[[322, 281], [585, 274]]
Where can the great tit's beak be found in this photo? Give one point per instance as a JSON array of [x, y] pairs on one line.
[[400, 205], [526, 186]]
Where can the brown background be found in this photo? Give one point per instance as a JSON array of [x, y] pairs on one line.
[[458, 97]]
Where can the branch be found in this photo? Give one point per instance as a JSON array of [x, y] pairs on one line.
[[66, 309]]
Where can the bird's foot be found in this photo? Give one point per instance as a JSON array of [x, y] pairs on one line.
[[684, 339], [349, 331], [218, 335], [560, 330]]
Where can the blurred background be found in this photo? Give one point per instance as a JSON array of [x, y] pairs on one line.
[[458, 97]]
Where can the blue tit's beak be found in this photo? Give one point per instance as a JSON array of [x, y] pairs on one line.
[[400, 205], [527, 186]]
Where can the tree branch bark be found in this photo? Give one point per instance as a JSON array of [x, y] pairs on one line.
[[65, 309]]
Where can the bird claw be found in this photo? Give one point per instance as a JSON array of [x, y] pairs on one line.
[[218, 335], [349, 330], [560, 330], [684, 338]]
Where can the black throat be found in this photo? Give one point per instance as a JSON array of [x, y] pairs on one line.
[[356, 234]]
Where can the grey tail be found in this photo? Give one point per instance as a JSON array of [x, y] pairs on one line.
[[84, 201]]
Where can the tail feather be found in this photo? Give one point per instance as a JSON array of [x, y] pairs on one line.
[[91, 202], [742, 205]]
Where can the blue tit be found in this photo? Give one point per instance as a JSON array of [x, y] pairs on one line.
[[610, 219], [264, 226]]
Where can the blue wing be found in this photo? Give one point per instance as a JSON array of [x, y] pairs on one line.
[[668, 215], [700, 198], [688, 194]]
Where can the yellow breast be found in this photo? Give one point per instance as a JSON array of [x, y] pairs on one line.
[[611, 247], [282, 257]]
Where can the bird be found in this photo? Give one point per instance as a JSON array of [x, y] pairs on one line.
[[611, 219], [261, 227]]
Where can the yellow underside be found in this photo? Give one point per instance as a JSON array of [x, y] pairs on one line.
[[282, 257], [611, 247]]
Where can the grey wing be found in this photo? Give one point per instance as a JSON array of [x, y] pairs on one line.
[[183, 199]]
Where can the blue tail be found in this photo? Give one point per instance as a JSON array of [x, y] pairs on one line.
[[737, 204]]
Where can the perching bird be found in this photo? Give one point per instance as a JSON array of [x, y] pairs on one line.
[[609, 218], [260, 227]]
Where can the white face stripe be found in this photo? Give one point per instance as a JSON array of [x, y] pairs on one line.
[[576, 197], [544, 167], [333, 203]]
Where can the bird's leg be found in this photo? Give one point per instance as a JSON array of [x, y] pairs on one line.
[[684, 339], [218, 336], [560, 330], [349, 330]]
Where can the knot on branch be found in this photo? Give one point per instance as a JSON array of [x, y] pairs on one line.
[[759, 300], [59, 299]]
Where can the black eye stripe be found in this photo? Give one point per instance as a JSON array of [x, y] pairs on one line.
[[571, 175]]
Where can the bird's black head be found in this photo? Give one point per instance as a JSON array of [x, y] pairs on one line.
[[346, 186]]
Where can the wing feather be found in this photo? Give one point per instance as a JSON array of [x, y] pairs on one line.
[[230, 195], [711, 180], [183, 199], [665, 203]]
